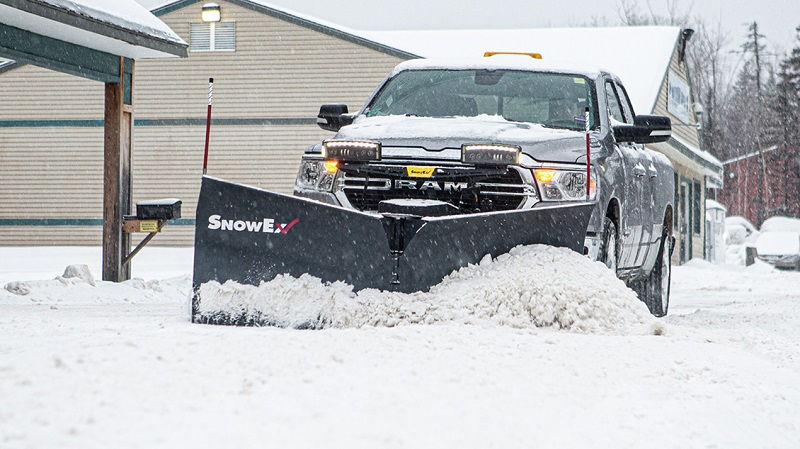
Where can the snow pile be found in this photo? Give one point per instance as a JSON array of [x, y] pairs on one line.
[[735, 234], [81, 272], [739, 234], [532, 286], [78, 286]]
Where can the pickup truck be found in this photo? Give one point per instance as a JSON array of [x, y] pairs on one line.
[[420, 122]]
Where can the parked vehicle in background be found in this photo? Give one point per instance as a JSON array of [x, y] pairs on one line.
[[778, 243], [779, 248]]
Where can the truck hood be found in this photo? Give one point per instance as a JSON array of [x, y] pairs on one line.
[[436, 134]]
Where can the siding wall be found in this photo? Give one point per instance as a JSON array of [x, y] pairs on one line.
[[33, 93], [279, 70]]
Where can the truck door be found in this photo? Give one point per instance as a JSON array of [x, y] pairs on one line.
[[630, 231], [651, 221]]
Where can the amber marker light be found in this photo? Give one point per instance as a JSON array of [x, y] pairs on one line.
[[331, 166], [489, 54], [545, 175]]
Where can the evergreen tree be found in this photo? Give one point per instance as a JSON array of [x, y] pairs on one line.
[[787, 111], [788, 105]]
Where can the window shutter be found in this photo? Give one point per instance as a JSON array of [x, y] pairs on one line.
[[225, 36], [200, 37]]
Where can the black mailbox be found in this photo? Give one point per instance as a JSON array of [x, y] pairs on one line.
[[166, 209]]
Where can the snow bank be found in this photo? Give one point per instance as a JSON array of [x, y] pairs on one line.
[[78, 286], [532, 286]]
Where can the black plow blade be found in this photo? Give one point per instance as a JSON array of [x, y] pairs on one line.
[[250, 235]]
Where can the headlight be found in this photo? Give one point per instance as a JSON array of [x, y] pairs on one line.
[[351, 150], [490, 154], [564, 185], [317, 174]]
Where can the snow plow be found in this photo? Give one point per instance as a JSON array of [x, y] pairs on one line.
[[446, 163], [249, 235]]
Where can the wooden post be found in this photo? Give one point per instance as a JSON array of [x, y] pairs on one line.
[[750, 255], [118, 128]]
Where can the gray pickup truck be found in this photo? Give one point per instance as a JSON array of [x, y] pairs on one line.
[[427, 113]]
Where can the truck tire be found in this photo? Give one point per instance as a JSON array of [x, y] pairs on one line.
[[655, 288], [609, 251]]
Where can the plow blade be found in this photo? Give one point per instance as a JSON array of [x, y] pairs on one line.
[[250, 235]]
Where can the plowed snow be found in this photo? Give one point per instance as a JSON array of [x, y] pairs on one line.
[[532, 286]]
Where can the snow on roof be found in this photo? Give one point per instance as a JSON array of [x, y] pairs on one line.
[[749, 155], [705, 155], [126, 14], [120, 27], [711, 204], [638, 55], [154, 4]]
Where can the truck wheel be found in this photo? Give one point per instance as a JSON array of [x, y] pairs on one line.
[[655, 291], [609, 251]]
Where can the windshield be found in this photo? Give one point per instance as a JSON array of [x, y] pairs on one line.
[[551, 99]]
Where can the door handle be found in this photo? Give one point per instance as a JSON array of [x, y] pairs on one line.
[[638, 170], [652, 170]]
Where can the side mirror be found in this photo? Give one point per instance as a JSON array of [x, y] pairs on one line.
[[332, 117], [646, 129]]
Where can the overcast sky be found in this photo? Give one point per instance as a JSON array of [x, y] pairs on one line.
[[777, 18]]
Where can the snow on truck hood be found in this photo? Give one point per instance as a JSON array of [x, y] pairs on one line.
[[437, 133]]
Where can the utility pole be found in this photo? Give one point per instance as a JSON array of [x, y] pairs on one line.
[[763, 188], [757, 53]]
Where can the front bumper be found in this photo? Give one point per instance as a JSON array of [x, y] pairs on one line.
[[791, 261], [323, 197]]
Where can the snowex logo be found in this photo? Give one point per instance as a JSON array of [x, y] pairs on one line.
[[266, 225]]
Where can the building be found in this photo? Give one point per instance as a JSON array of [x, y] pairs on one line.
[[780, 189], [272, 70]]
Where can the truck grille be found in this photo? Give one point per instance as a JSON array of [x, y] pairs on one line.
[[501, 192]]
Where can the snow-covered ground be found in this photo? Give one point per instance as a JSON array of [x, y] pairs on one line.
[[119, 365]]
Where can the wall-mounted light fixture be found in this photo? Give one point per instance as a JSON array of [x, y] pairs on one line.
[[211, 12]]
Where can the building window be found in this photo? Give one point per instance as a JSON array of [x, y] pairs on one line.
[[212, 36]]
